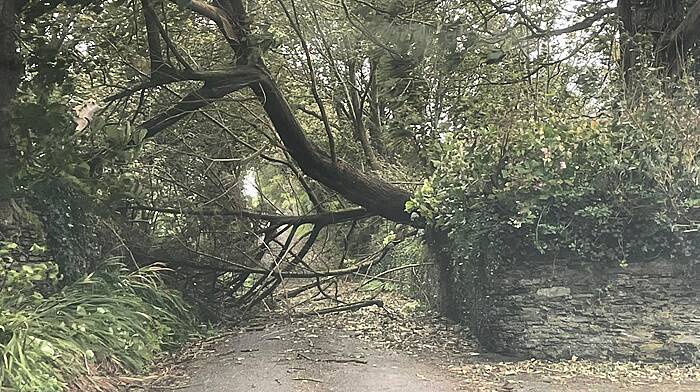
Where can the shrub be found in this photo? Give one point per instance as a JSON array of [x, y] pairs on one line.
[[112, 315], [618, 190]]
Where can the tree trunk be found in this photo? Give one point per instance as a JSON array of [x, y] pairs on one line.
[[439, 254], [658, 33], [373, 193]]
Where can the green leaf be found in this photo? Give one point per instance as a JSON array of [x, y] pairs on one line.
[[81, 170], [97, 123], [37, 249], [113, 134]]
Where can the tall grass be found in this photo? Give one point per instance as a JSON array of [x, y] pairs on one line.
[[112, 315]]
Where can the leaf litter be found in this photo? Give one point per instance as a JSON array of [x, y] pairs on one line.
[[414, 331]]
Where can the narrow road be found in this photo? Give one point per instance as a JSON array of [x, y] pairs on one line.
[[290, 359], [367, 351]]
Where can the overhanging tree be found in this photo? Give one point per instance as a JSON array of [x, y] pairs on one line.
[[249, 71]]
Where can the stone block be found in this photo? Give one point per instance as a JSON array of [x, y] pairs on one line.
[[554, 292]]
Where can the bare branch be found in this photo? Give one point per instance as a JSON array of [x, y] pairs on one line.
[[322, 219], [216, 15], [294, 21], [343, 308], [581, 25]]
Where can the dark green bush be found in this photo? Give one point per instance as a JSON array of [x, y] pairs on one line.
[[622, 190]]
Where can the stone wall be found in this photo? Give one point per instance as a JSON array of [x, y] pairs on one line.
[[557, 309]]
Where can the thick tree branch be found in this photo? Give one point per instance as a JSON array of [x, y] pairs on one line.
[[211, 91], [215, 78], [373, 193], [218, 16], [228, 266], [376, 195], [155, 50], [344, 308]]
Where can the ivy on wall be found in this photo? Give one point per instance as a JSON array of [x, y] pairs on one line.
[[624, 190]]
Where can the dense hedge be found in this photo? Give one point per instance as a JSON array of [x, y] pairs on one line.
[[623, 189]]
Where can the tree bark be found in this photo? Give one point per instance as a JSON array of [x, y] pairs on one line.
[[155, 50], [373, 193], [664, 31], [676, 44]]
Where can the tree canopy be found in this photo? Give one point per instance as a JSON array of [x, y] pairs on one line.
[[239, 138]]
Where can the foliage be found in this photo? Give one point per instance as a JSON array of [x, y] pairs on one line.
[[70, 223], [418, 282], [21, 280], [62, 133], [505, 113], [617, 190], [112, 315]]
